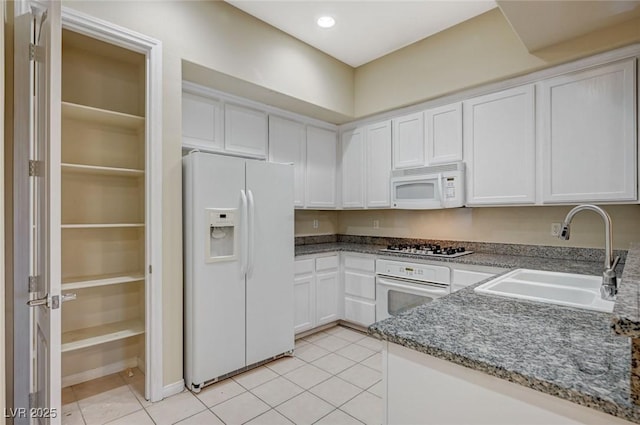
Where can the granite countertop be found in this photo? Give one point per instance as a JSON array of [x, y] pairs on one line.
[[626, 312], [509, 261], [569, 353]]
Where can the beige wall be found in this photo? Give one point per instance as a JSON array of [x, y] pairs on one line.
[[217, 36], [520, 225], [478, 51], [327, 222]]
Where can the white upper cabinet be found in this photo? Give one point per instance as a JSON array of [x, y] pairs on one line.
[[499, 147], [245, 131], [366, 166], [588, 135], [378, 158], [353, 168], [321, 168], [443, 131], [202, 122], [408, 141], [287, 144]]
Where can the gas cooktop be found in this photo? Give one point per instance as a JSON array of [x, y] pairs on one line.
[[429, 250]]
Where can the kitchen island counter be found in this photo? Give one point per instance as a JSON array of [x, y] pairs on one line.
[[568, 353]]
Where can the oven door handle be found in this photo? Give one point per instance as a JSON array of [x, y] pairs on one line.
[[422, 288]]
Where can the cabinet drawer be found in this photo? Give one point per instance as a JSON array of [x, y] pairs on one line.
[[359, 311], [303, 266], [360, 285], [360, 263], [327, 263]]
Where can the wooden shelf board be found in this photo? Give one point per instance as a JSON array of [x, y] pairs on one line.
[[101, 225], [102, 280], [100, 170], [101, 116], [96, 335]]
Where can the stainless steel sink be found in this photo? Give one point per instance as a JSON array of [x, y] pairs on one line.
[[572, 290]]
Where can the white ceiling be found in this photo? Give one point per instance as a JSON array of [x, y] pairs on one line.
[[364, 30]]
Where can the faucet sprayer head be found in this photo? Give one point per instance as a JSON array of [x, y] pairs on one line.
[[565, 232]]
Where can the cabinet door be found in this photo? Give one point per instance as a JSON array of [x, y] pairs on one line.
[[378, 149], [303, 303], [353, 168], [202, 124], [287, 144], [408, 141], [499, 147], [327, 297], [361, 312], [245, 131], [588, 138], [321, 168], [443, 131]]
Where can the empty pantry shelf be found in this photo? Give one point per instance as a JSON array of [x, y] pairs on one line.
[[96, 335], [101, 225], [101, 116], [101, 170], [101, 280]]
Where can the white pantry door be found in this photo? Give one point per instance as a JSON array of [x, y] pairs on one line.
[[37, 62]]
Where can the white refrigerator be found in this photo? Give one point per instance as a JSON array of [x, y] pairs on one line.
[[238, 263]]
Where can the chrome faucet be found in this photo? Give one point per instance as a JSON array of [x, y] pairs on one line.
[[609, 287]]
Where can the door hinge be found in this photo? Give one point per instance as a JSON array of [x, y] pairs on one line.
[[36, 53], [35, 168], [33, 283], [149, 268]]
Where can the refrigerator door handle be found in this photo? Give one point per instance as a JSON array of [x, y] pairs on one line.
[[244, 235], [252, 230]]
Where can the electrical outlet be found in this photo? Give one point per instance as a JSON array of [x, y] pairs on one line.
[[555, 229], [376, 224], [315, 223]]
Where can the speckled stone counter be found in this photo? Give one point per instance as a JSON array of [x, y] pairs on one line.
[[626, 313], [477, 258], [569, 353]]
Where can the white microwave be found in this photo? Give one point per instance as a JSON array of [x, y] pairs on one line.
[[438, 186]]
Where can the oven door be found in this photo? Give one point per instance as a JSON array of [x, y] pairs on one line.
[[394, 296], [417, 192]]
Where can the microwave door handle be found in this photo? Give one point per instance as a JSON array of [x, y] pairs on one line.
[[441, 189]]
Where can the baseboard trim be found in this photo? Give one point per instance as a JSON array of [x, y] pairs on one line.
[[99, 372], [173, 389]]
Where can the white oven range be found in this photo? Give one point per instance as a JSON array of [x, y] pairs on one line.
[[401, 286]]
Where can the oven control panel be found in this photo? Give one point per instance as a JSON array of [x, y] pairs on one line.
[[414, 271]]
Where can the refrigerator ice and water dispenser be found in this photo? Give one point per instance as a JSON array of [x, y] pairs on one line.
[[221, 229]]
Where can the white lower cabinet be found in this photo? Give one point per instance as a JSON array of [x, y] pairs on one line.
[[303, 303], [418, 389], [359, 288], [317, 291]]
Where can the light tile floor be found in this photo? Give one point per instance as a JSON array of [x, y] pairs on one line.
[[334, 378]]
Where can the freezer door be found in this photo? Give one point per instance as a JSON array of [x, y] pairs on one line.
[[270, 260], [214, 290]]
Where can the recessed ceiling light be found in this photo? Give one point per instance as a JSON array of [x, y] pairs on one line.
[[326, 22]]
